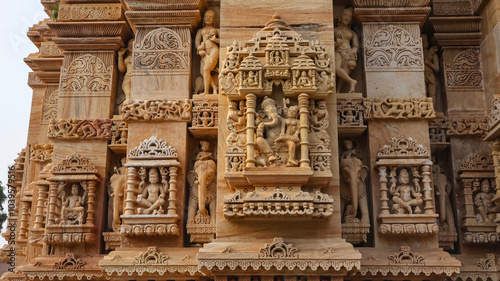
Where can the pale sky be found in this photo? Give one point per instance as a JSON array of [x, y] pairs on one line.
[[16, 18]]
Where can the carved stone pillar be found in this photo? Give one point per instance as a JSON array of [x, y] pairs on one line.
[[172, 190], [303, 101], [251, 104], [43, 192], [129, 198]]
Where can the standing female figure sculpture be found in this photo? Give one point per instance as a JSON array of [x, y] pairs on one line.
[[207, 45], [125, 66], [346, 48]]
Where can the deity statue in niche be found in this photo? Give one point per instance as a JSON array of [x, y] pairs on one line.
[[431, 61], [125, 66], [353, 185], [202, 180], [152, 196], [404, 195], [442, 188], [290, 134], [207, 45], [268, 130], [318, 122], [486, 210], [72, 206], [236, 123], [346, 48], [118, 184]]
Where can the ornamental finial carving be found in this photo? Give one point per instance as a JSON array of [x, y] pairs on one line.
[[153, 148], [406, 257], [75, 164], [151, 257], [403, 147], [279, 250], [479, 161], [70, 262]]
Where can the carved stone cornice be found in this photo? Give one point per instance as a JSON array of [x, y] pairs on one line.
[[452, 8], [34, 80], [392, 11], [151, 12], [73, 129], [90, 12], [99, 35], [457, 30], [398, 108], [50, 49]]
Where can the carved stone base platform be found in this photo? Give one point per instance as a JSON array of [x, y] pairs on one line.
[[355, 233], [201, 233], [408, 224], [69, 234], [481, 233], [150, 229], [69, 267], [274, 257], [151, 262]]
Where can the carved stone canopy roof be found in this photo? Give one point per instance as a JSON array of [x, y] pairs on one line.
[[75, 167], [403, 151], [153, 149], [480, 165]]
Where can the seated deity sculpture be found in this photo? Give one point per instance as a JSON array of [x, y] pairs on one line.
[[72, 210], [486, 209], [268, 130], [152, 197], [290, 134], [304, 80], [251, 81], [405, 195]]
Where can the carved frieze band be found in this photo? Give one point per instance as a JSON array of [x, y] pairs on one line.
[[398, 108], [462, 69], [161, 50], [467, 127], [73, 129], [87, 74], [156, 110], [452, 8], [41, 152], [82, 12], [393, 47]]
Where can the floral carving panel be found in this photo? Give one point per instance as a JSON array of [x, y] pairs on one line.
[[87, 74], [161, 50], [462, 69], [392, 47]]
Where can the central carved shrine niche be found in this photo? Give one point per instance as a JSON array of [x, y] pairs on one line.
[[151, 192], [278, 154], [406, 195]]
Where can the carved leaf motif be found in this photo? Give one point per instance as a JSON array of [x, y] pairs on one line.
[[70, 262], [402, 146], [153, 148], [49, 111], [406, 257], [74, 164], [279, 250], [151, 257], [479, 161]]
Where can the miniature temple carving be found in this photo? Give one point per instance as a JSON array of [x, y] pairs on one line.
[[205, 118], [407, 204], [277, 119], [477, 189], [151, 190]]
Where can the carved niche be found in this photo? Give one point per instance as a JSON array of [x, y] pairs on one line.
[[205, 118], [277, 123], [71, 203], [73, 129], [151, 192], [462, 69], [156, 110], [406, 194], [350, 116], [86, 74], [202, 195], [391, 47], [119, 136], [161, 50], [478, 212]]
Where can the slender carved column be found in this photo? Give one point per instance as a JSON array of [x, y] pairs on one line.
[[43, 192], [130, 199], [304, 130], [384, 200], [251, 104], [23, 226], [428, 195], [91, 203], [172, 192], [467, 200], [52, 203]]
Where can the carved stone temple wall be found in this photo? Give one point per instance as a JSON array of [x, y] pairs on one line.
[[257, 140]]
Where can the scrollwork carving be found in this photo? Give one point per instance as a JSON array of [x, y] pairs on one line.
[[406, 257], [463, 70], [89, 12], [151, 257], [74, 164], [153, 148], [279, 250], [70, 262], [86, 74], [49, 111]]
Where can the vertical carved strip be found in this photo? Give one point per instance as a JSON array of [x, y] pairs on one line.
[[131, 182], [91, 203], [304, 130], [428, 195], [251, 104], [495, 146], [384, 200], [52, 203], [43, 192], [23, 227], [172, 192]]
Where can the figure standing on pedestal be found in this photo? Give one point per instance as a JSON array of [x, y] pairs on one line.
[[207, 45], [125, 66], [431, 62], [346, 49]]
